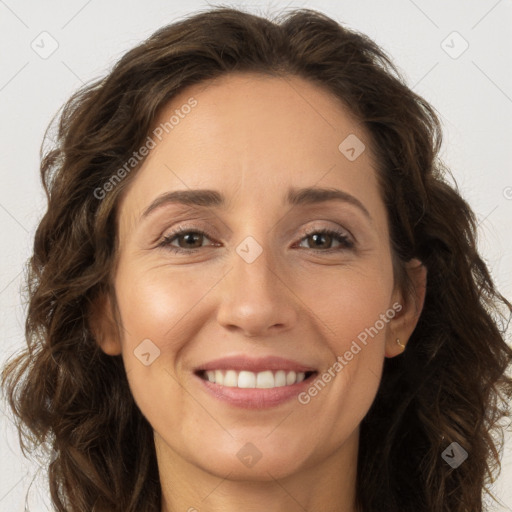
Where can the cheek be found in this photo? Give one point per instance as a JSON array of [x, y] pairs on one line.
[[348, 300], [157, 304], [352, 309], [163, 312], [153, 310]]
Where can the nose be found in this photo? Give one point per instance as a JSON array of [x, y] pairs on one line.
[[256, 298]]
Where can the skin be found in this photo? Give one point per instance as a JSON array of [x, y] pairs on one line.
[[251, 137]]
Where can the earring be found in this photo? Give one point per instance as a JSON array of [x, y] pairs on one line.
[[398, 343]]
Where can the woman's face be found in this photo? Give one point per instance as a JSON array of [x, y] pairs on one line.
[[255, 278]]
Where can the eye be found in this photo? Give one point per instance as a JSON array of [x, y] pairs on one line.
[[190, 241], [322, 237]]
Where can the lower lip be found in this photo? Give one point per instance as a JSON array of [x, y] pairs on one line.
[[255, 398]]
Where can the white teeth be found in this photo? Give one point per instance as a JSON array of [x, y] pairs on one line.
[[245, 379], [280, 378], [265, 380], [230, 379]]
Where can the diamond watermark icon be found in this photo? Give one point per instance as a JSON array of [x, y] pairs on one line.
[[146, 352], [249, 249], [454, 45], [352, 147], [249, 455], [454, 455], [44, 45]]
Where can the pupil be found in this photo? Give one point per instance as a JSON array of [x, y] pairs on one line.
[[317, 238], [190, 238]]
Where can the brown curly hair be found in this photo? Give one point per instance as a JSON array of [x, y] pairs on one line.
[[450, 385]]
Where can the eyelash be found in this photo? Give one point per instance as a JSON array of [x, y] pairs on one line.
[[339, 236]]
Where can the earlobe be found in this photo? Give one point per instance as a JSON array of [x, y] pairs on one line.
[[103, 325], [405, 321]]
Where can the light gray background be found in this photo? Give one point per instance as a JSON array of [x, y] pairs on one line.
[[472, 93]]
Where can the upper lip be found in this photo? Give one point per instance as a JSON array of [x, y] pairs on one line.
[[242, 362]]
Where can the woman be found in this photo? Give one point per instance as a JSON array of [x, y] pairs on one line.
[[254, 288]]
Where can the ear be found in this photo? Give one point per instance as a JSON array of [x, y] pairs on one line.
[[103, 325], [405, 320]]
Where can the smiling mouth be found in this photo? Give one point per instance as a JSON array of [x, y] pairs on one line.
[[254, 380]]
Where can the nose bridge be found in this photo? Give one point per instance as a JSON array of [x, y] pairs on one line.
[[255, 257], [253, 254], [254, 269], [254, 297]]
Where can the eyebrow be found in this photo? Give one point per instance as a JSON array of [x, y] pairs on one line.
[[207, 198]]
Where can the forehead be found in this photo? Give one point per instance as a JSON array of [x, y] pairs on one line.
[[254, 136], [256, 109]]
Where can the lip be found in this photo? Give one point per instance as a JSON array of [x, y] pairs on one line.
[[254, 398], [242, 362]]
